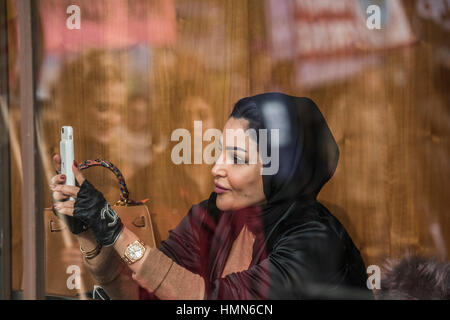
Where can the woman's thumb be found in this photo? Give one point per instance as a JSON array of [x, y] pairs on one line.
[[77, 173]]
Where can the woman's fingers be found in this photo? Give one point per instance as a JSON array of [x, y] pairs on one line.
[[58, 179], [57, 162], [65, 189], [65, 207], [66, 211], [58, 196], [77, 173]]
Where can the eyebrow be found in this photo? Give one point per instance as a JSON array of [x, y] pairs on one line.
[[232, 148]]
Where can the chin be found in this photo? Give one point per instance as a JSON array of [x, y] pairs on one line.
[[227, 203], [224, 204]]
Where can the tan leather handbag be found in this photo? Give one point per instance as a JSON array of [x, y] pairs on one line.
[[66, 274]]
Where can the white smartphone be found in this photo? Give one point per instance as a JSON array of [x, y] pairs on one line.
[[67, 155]]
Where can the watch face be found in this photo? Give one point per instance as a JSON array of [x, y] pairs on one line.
[[135, 251]]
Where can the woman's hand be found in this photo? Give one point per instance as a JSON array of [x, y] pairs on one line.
[[62, 206], [89, 207], [92, 208]]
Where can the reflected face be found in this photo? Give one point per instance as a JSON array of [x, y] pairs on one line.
[[109, 103], [238, 185]]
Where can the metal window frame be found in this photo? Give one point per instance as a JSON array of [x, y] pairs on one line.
[[33, 235], [5, 190]]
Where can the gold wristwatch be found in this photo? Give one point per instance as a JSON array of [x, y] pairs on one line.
[[134, 252]]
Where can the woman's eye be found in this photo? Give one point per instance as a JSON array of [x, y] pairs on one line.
[[237, 160]]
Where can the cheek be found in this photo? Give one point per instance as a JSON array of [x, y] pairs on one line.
[[246, 182]]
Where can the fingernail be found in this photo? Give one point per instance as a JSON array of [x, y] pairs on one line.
[[75, 164], [63, 176]]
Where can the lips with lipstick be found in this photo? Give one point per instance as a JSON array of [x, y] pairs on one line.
[[219, 188]]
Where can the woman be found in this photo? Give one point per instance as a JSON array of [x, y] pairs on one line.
[[258, 235]]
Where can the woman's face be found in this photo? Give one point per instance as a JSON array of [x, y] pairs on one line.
[[241, 182]]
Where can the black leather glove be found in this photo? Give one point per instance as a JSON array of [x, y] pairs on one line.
[[93, 210], [75, 225]]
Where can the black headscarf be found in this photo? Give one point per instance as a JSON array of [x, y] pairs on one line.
[[308, 156]]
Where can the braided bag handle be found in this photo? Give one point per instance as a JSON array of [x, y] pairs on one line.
[[124, 194]]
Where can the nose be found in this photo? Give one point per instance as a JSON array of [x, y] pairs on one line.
[[219, 167]]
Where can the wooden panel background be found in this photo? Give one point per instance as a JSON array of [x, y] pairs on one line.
[[391, 123]]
